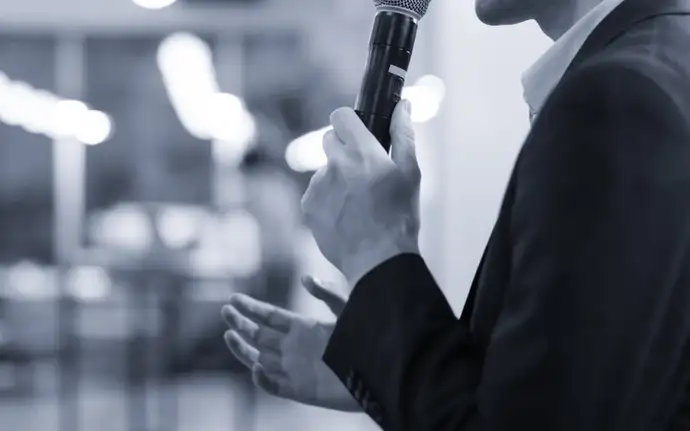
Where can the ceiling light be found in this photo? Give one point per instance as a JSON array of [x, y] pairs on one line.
[[153, 4]]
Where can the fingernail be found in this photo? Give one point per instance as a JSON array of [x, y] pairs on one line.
[[309, 280]]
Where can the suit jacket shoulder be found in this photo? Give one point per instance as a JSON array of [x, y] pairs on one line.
[[654, 44]]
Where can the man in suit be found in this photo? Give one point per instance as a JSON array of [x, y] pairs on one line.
[[579, 314]]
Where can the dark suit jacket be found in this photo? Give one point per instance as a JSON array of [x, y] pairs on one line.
[[579, 314]]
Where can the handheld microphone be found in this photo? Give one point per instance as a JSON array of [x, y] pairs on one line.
[[390, 50]]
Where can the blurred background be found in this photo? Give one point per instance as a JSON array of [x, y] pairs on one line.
[[152, 158]]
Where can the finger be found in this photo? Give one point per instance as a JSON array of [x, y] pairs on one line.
[[256, 334], [334, 148], [246, 354], [270, 361], [263, 313], [351, 131], [312, 188], [320, 291], [403, 151], [274, 384], [237, 321]]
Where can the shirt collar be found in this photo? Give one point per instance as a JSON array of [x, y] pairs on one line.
[[540, 79]]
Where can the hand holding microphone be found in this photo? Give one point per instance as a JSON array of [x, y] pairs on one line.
[[363, 206]]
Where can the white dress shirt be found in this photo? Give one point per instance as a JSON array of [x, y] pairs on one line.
[[540, 79]]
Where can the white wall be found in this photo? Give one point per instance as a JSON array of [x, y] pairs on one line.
[[480, 131]]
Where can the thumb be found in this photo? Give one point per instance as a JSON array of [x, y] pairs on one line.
[[320, 291], [403, 150]]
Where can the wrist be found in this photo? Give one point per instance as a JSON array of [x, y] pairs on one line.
[[367, 259]]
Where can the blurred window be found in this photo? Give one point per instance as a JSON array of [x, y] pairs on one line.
[[26, 192], [150, 157]]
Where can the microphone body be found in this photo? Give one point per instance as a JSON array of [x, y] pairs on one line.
[[390, 50]]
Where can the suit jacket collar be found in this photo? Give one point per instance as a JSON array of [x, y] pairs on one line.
[[629, 13], [544, 75]]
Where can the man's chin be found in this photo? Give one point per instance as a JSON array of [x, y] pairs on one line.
[[499, 12]]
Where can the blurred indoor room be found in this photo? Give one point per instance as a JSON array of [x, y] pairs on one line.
[[152, 158]]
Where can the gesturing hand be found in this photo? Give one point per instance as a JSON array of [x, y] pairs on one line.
[[284, 349]]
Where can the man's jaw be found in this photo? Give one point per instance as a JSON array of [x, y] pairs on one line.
[[503, 12], [554, 17]]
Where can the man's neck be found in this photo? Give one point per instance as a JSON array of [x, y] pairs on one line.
[[562, 15]]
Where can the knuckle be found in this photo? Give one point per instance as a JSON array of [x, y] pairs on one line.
[[259, 335], [309, 201], [303, 205], [235, 320], [304, 202], [340, 114], [329, 136], [246, 331], [307, 197], [406, 134], [251, 329], [307, 212], [330, 148], [244, 350], [416, 173], [409, 134], [242, 347]]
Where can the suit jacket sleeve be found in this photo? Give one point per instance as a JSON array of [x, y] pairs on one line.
[[595, 324]]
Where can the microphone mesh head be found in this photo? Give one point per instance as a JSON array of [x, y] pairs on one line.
[[416, 7]]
